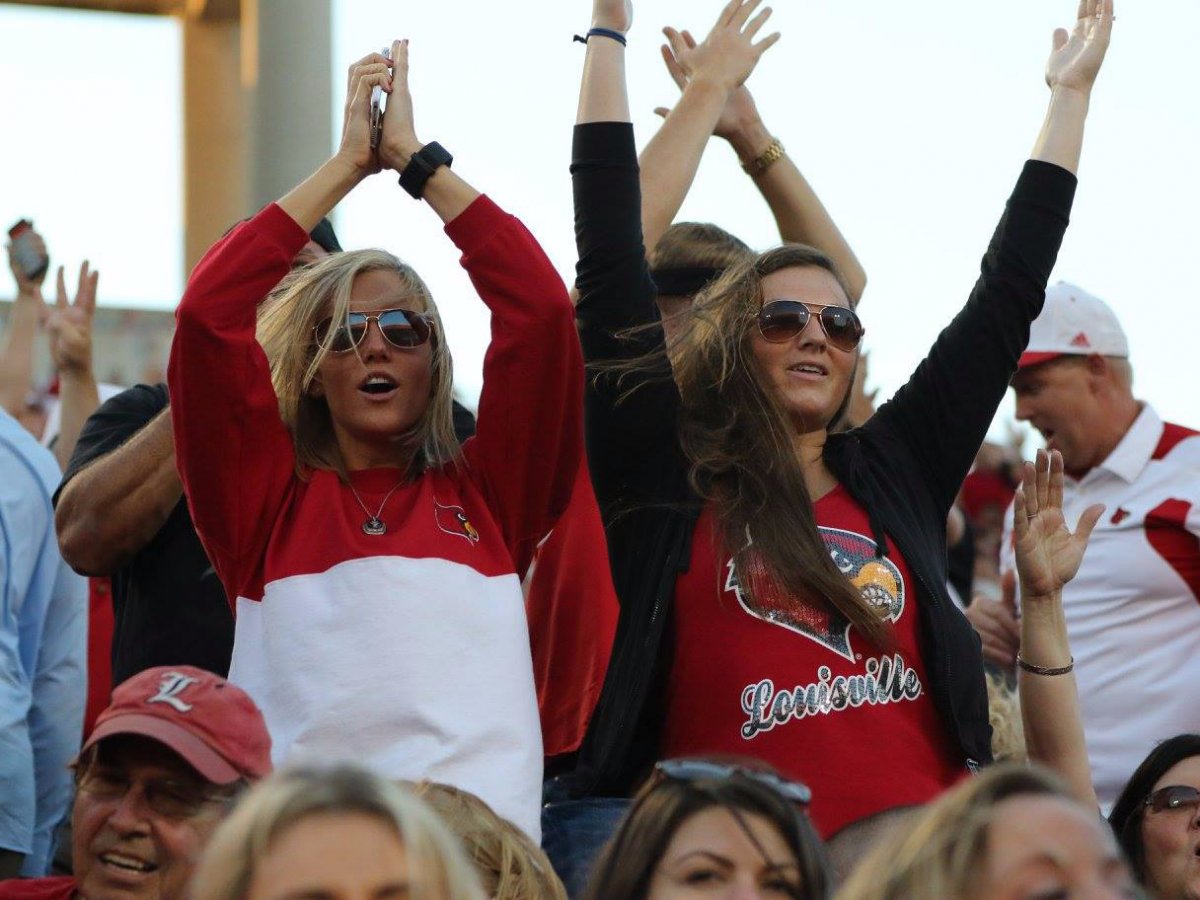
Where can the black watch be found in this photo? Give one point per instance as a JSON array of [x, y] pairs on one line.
[[422, 166]]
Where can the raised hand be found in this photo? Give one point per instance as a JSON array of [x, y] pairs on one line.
[[399, 141], [728, 55], [373, 69], [1048, 554], [69, 324], [616, 15], [27, 288], [739, 112], [1076, 58]]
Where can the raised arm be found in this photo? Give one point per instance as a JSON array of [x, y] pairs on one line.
[[219, 377], [709, 74], [1048, 556], [1070, 73], [630, 421], [69, 327], [942, 414], [16, 348]]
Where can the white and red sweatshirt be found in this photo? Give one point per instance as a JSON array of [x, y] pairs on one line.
[[407, 652]]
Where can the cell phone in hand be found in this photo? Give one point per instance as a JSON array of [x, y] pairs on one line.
[[29, 259], [377, 108]]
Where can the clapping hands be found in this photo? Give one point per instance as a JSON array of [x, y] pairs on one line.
[[727, 55]]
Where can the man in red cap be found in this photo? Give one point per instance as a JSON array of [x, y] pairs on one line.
[[163, 765]]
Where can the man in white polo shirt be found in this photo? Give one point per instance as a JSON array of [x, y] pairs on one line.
[[1133, 611]]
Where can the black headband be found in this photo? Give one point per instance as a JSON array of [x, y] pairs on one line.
[[685, 282]]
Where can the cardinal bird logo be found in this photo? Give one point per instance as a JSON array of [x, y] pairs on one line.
[[453, 520], [1119, 516], [877, 578]]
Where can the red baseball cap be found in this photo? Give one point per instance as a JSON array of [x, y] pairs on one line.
[[212, 724]]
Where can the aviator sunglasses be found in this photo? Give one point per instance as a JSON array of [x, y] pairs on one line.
[[782, 320], [401, 328], [1173, 796]]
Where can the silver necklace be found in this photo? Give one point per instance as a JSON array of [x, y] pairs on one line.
[[374, 525]]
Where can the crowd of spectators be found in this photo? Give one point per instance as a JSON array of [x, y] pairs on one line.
[[679, 612]]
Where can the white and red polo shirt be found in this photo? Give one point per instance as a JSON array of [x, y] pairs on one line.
[[1133, 611]]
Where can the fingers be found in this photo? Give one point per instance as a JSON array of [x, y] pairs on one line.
[[997, 628], [1029, 489], [86, 298], [60, 298], [767, 43], [673, 68], [1008, 590], [727, 12], [742, 13], [1054, 496], [1020, 515], [400, 62], [689, 40], [678, 46], [1087, 521], [662, 112], [757, 23], [1059, 40], [1043, 481]]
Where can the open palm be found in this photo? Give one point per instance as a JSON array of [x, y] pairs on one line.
[[1077, 56], [1048, 553]]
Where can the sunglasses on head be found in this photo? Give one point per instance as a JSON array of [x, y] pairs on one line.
[[401, 328], [782, 320], [1173, 796], [701, 770]]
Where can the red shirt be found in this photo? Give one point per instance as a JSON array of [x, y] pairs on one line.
[[793, 685], [57, 888]]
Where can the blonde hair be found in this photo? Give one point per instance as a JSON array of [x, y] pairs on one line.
[[1004, 714], [286, 330], [940, 852], [273, 806], [511, 866]]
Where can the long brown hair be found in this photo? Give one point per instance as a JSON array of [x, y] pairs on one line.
[[740, 442]]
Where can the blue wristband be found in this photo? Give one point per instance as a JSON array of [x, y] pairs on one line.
[[602, 32]]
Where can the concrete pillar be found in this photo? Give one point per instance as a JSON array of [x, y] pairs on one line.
[[290, 115], [257, 107], [217, 144]]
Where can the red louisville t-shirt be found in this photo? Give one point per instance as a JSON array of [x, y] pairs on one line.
[[791, 684]]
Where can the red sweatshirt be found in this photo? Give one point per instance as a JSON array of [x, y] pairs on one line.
[[408, 651]]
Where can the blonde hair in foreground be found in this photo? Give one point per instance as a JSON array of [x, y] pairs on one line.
[[511, 866], [286, 323], [438, 868], [940, 852]]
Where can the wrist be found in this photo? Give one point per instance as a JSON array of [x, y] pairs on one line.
[[29, 293], [398, 155], [749, 139], [1064, 96], [347, 172], [76, 374], [610, 25]]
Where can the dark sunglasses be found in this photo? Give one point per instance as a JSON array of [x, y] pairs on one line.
[[782, 320], [1173, 796], [401, 328], [698, 770]]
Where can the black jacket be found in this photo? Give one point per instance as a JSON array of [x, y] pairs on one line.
[[904, 467]]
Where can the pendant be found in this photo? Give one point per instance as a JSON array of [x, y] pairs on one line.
[[374, 526]]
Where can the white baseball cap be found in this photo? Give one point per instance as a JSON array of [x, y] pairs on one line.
[[1073, 323]]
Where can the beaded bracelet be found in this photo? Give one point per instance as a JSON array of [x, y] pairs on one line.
[[1042, 670]]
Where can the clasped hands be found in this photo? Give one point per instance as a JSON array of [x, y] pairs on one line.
[[398, 141]]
